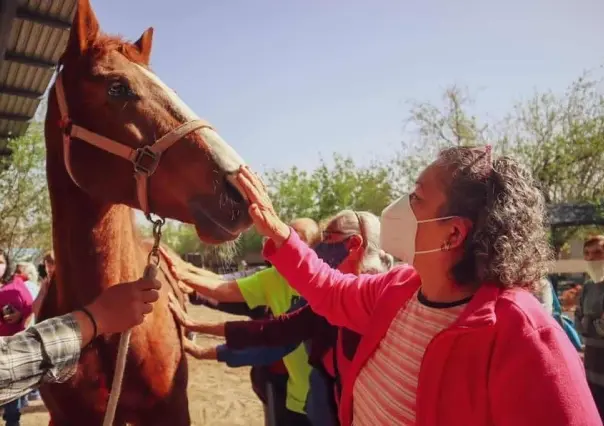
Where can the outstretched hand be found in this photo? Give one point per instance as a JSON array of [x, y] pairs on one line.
[[198, 352], [185, 320], [261, 208], [180, 315], [186, 274]]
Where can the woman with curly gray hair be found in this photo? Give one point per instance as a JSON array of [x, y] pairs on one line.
[[454, 336]]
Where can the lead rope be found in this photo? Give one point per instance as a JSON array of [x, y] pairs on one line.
[[120, 364]]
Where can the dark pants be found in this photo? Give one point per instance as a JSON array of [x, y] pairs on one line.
[[272, 391], [598, 393], [12, 412], [320, 403]]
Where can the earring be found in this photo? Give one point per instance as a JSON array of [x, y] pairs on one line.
[[446, 246]]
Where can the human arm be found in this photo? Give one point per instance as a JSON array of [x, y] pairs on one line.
[[344, 300], [204, 282], [49, 351], [234, 308], [286, 329], [214, 288], [45, 353], [254, 356], [539, 379], [177, 265], [290, 328], [240, 309]]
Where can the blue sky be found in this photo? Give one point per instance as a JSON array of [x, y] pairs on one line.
[[287, 80]]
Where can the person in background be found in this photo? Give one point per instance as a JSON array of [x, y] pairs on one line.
[[589, 316], [268, 288], [29, 273], [570, 298], [544, 293], [49, 269], [454, 336], [15, 309], [49, 263]]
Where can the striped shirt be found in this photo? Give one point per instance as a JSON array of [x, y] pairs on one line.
[[385, 390]]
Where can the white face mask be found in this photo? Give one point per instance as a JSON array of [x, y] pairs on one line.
[[399, 228], [595, 269]]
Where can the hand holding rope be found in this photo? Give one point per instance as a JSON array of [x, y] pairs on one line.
[[150, 273]]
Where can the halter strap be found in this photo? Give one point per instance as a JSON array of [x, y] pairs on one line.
[[145, 159]]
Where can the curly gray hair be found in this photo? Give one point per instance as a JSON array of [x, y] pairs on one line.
[[508, 242]]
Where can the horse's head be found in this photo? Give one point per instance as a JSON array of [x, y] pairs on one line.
[[110, 91]]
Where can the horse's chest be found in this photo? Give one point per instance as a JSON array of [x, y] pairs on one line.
[[150, 369]]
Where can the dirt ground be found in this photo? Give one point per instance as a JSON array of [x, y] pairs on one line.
[[218, 395]]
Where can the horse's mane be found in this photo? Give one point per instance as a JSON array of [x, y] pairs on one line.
[[105, 43]]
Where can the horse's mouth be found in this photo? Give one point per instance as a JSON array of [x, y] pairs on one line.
[[216, 224], [212, 232]]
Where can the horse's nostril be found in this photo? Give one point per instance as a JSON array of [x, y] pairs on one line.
[[232, 191]]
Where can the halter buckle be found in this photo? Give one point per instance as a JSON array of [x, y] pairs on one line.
[[145, 161]]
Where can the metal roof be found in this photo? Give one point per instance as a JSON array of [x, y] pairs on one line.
[[562, 215], [33, 36]]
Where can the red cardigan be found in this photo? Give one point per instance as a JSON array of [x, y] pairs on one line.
[[505, 361]]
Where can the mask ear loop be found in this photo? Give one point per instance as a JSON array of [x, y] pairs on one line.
[[490, 189], [361, 229]]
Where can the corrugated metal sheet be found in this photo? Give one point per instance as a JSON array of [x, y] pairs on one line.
[[37, 38]]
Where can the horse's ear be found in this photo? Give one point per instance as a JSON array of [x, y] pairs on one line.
[[85, 29], [144, 44]]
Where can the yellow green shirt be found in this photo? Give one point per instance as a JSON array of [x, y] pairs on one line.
[[269, 288]]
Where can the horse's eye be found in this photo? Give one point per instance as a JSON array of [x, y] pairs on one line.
[[119, 89]]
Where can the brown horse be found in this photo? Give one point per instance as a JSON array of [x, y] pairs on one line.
[[110, 91]]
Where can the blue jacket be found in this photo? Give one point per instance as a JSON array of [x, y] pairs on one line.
[[256, 356]]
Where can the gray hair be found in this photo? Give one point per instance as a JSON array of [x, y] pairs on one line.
[[367, 225], [30, 270]]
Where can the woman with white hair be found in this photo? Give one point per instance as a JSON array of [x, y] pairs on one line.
[[29, 274], [350, 243]]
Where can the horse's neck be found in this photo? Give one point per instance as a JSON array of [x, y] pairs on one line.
[[96, 244], [94, 248]]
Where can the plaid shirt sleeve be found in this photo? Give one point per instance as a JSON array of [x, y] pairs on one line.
[[48, 352]]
